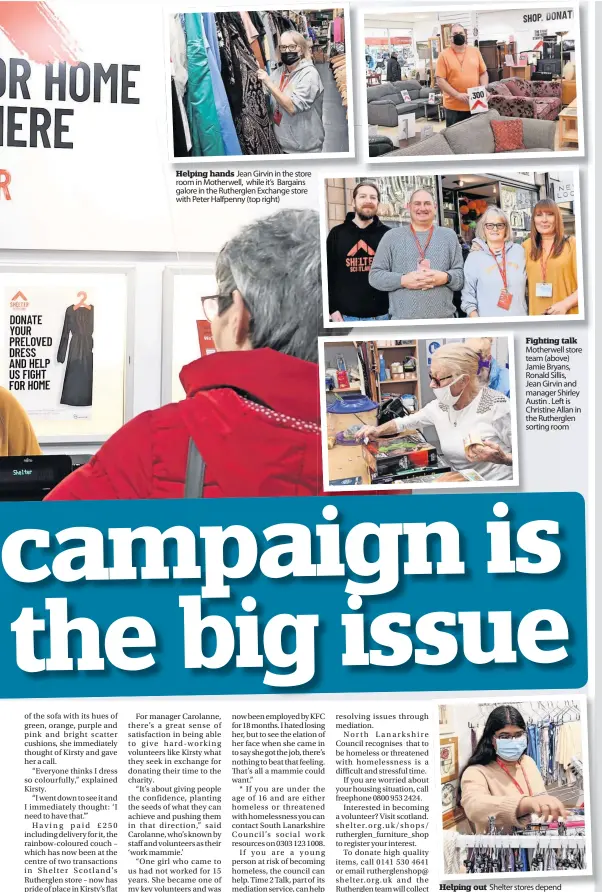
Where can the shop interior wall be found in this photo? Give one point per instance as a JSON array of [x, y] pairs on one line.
[[500, 24], [146, 349]]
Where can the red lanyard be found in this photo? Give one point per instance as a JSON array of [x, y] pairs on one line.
[[422, 251], [518, 787], [544, 264], [502, 267], [284, 79]]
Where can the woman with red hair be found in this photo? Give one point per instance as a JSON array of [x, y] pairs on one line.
[[551, 259]]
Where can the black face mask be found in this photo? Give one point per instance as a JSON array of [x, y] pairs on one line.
[[459, 39], [289, 58]]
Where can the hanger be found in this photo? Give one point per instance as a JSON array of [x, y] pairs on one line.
[[82, 297]]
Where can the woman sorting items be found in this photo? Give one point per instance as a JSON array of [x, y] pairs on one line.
[[551, 259], [500, 781], [473, 423], [495, 277], [297, 96]]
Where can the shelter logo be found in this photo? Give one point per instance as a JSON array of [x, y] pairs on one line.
[[19, 301], [362, 263]]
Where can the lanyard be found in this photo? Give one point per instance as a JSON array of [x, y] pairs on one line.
[[518, 787], [422, 251], [284, 79], [502, 267], [544, 263]]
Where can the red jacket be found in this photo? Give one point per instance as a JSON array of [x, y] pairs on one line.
[[248, 451]]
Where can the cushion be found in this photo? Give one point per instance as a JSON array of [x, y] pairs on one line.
[[508, 135], [472, 136], [382, 91], [518, 86], [432, 145], [500, 89]]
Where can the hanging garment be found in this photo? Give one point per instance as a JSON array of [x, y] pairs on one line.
[[181, 148], [252, 38], [79, 373], [224, 114], [179, 81], [270, 42], [338, 30], [202, 112], [245, 93]]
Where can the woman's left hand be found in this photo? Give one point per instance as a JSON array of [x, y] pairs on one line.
[[489, 452], [262, 76], [559, 309]]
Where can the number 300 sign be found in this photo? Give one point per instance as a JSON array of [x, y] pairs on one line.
[[477, 99]]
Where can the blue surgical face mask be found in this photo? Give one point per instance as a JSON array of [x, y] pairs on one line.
[[511, 750]]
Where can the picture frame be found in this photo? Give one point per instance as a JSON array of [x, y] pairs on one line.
[[452, 814], [446, 37], [448, 759]]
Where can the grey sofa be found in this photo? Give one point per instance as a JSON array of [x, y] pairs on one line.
[[475, 137], [385, 102]]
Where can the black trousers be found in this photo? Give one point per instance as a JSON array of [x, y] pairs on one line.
[[454, 117]]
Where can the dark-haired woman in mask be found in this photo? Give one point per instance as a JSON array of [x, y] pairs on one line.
[[297, 95], [501, 781], [459, 68]]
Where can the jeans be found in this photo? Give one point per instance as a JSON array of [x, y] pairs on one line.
[[365, 318], [454, 117]]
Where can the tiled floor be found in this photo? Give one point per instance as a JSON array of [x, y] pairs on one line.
[[334, 115]]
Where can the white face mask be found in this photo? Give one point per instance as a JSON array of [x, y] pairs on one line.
[[445, 396]]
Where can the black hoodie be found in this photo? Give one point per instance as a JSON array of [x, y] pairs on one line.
[[349, 254]]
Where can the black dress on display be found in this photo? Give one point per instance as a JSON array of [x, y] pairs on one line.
[[79, 373]]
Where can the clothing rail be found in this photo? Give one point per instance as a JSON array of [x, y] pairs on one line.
[[485, 841]]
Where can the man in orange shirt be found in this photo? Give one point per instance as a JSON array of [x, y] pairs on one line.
[[459, 67]]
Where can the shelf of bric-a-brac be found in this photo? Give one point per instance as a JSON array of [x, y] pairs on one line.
[[410, 383]]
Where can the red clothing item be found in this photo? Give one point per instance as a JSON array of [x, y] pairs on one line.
[[248, 452]]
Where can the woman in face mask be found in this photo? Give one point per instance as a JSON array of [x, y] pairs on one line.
[[472, 422], [297, 95], [501, 781]]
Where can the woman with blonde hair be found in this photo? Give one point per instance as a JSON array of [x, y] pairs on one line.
[[551, 259], [297, 96], [495, 277], [16, 433], [472, 422]]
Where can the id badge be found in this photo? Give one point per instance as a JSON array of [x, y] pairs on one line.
[[543, 289], [505, 299], [277, 116], [423, 264]]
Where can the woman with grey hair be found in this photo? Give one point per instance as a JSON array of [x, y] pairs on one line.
[[495, 277], [249, 425], [297, 96]]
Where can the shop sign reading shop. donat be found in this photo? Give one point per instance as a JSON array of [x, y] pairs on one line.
[[48, 350]]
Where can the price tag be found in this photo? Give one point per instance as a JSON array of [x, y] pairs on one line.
[[406, 96], [477, 100]]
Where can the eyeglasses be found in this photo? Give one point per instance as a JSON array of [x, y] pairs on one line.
[[211, 305], [439, 380], [289, 49], [505, 736], [496, 226]]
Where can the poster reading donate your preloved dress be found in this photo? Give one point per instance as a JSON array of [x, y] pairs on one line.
[[49, 341]]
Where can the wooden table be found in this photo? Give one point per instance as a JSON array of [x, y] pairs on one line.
[[567, 123], [347, 461]]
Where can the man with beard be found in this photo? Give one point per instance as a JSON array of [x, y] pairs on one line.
[[420, 265], [459, 68], [350, 249]]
